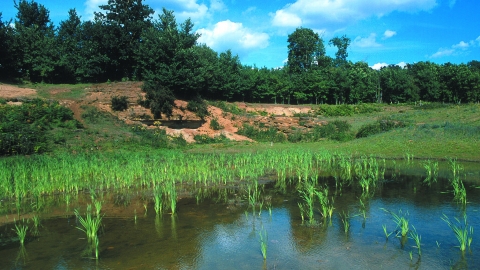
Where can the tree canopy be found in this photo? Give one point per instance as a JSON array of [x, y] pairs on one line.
[[124, 42]]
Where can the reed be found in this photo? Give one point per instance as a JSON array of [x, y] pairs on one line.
[[401, 221], [387, 234], [463, 232], [345, 217], [21, 231], [263, 243], [90, 224], [417, 238], [431, 168]]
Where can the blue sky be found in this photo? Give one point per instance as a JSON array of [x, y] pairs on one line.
[[382, 31]]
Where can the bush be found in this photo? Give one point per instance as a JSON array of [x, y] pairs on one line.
[[199, 107], [382, 125], [23, 129], [334, 130], [347, 110], [215, 125], [226, 107], [262, 135], [205, 139], [91, 114], [119, 103]]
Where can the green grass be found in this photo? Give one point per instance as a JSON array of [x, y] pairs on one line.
[[463, 232]]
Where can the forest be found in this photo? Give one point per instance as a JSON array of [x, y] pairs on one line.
[[124, 42]]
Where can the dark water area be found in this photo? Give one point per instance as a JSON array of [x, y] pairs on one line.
[[221, 231]]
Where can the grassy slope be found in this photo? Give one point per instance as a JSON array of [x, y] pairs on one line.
[[460, 138], [428, 137]]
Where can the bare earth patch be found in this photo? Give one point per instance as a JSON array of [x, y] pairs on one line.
[[10, 91]]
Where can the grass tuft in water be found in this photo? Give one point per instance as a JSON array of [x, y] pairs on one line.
[[463, 232], [263, 243], [21, 231]]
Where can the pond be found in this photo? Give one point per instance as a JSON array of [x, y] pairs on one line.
[[221, 228]]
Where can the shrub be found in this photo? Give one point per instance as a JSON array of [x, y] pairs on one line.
[[199, 107], [205, 139], [382, 125], [262, 135], [23, 129], [227, 107], [119, 103], [91, 114], [334, 130], [215, 125]]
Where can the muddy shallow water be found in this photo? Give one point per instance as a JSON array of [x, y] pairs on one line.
[[221, 231]]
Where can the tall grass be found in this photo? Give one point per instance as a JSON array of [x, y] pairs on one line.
[[463, 232]]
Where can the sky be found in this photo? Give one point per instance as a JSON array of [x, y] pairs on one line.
[[382, 32]]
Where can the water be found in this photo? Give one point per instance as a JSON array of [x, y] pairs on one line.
[[222, 232]]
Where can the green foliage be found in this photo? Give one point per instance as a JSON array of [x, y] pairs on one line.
[[199, 107], [119, 103], [160, 100], [382, 125], [227, 107], [334, 130], [346, 110], [23, 129], [262, 134], [215, 125], [91, 114], [205, 139]]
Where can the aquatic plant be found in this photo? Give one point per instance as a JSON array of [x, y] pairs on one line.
[[345, 217], [431, 168], [387, 234], [21, 231], [417, 238], [401, 221], [90, 224], [263, 242], [463, 232]]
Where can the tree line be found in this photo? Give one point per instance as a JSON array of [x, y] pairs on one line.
[[124, 42]]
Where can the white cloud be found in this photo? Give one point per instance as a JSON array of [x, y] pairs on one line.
[[442, 52], [366, 42], [402, 64], [286, 19], [389, 34], [249, 10], [91, 6], [379, 66], [232, 35], [457, 49], [218, 5], [462, 45], [451, 3], [341, 12]]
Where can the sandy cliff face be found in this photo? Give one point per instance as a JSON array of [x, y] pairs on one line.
[[278, 116]]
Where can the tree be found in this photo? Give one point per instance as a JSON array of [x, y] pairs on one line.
[[68, 42], [426, 78], [8, 63], [34, 43], [342, 45], [305, 49], [123, 23]]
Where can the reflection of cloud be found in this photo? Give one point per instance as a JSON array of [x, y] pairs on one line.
[[389, 34], [367, 42], [320, 13], [231, 35]]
